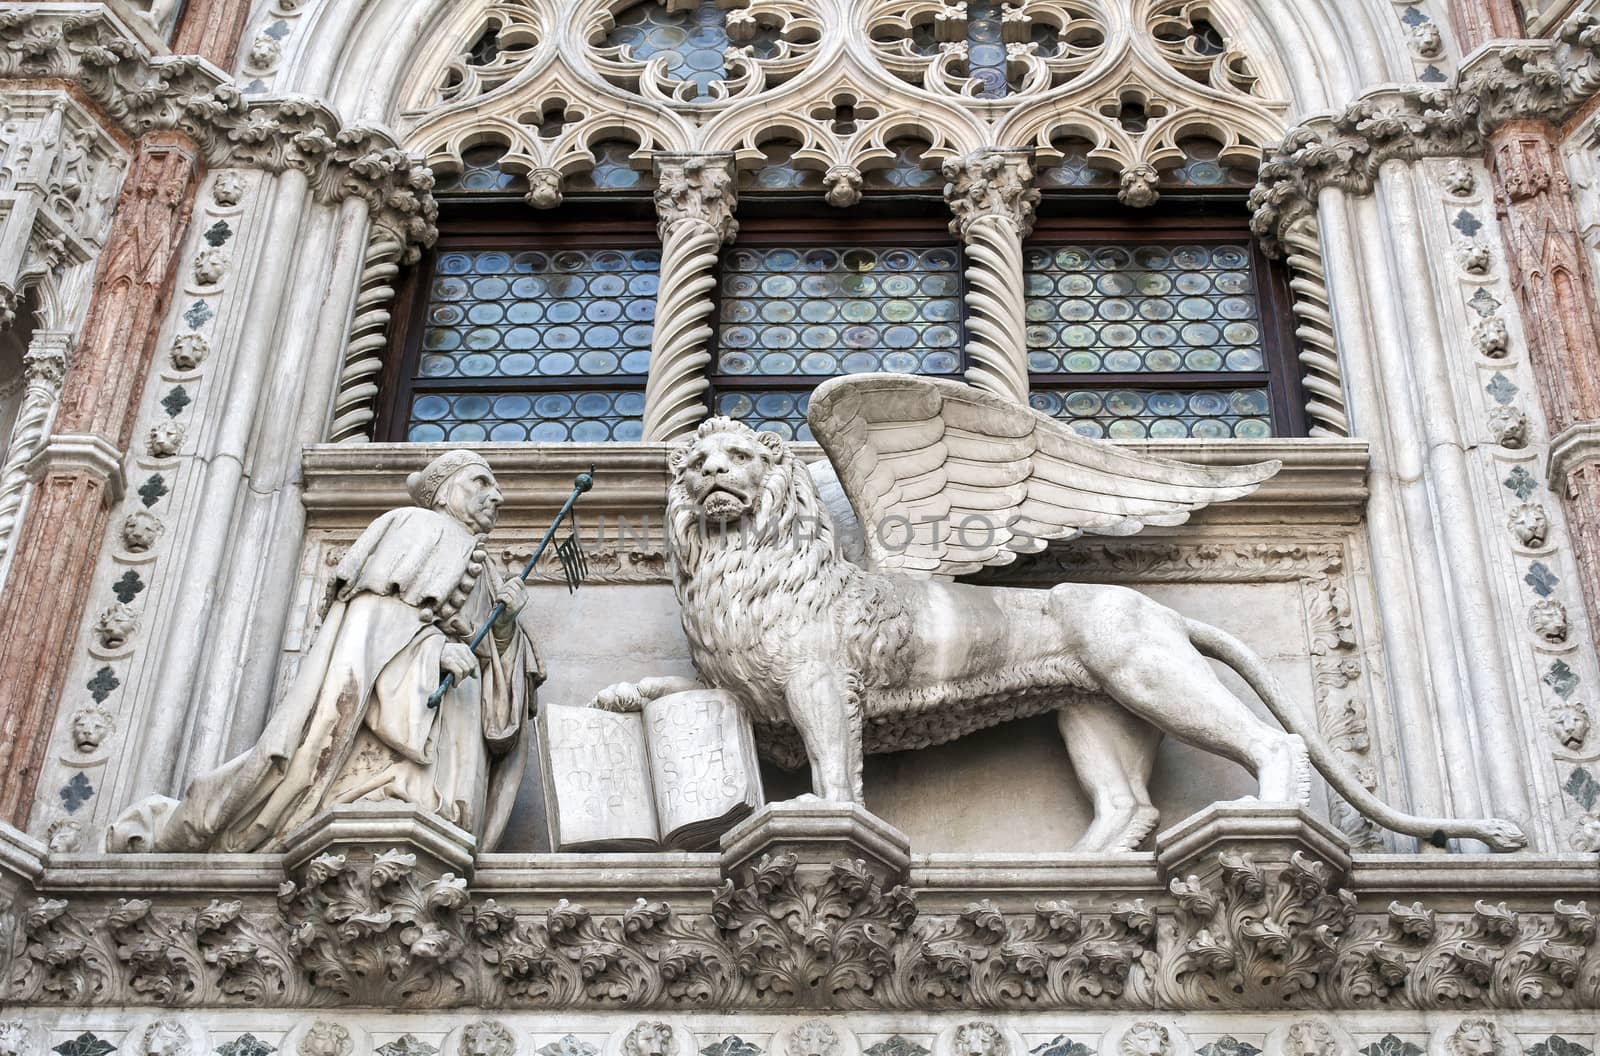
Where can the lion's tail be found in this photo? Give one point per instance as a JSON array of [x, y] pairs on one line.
[[1219, 645]]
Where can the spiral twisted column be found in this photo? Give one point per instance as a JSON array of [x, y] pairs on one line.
[[355, 404], [992, 199], [695, 199], [1321, 375], [44, 366]]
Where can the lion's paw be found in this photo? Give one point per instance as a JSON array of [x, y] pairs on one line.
[[621, 697]]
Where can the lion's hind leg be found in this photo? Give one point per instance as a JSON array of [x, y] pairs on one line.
[[1112, 753], [1140, 654]]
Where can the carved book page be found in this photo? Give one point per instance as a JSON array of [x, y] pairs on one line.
[[597, 781], [703, 766]]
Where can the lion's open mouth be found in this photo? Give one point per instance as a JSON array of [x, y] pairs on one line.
[[720, 504]]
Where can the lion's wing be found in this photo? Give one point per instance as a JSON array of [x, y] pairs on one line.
[[947, 479]]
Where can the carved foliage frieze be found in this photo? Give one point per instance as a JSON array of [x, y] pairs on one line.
[[383, 930]]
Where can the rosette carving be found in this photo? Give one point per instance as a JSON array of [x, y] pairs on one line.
[[975, 50]]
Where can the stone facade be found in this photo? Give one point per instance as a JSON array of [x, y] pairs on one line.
[[210, 212]]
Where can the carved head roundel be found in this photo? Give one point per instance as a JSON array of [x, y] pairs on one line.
[[650, 1038], [723, 470]]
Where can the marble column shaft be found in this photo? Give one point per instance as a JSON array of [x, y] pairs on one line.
[[695, 198], [59, 540], [992, 199], [211, 29]]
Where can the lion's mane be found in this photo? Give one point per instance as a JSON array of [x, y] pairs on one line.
[[751, 589]]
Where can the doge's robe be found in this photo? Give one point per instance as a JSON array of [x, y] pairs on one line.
[[355, 725]]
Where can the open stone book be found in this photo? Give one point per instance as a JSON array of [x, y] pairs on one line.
[[676, 775]]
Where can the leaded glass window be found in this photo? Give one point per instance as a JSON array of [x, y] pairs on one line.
[[1138, 332], [531, 338], [794, 311]]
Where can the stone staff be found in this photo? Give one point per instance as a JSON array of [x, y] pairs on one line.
[[580, 484]]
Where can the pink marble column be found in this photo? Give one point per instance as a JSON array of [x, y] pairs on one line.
[[60, 538]]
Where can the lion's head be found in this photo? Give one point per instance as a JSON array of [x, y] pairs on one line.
[[724, 470]]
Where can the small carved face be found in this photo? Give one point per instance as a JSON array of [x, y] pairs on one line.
[[1530, 524], [813, 1038], [165, 439], [1310, 1038], [472, 496], [544, 188], [1475, 1037], [1548, 619], [228, 188], [649, 1039], [90, 726], [1571, 722], [64, 837], [165, 1037], [724, 471], [1146, 1039], [140, 530], [979, 1039], [487, 1038], [13, 1038], [326, 1039]]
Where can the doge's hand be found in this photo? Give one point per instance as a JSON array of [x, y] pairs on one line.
[[513, 595], [623, 696], [458, 660]]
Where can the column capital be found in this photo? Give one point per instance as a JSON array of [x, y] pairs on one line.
[[1576, 445], [991, 182], [697, 187], [83, 454], [46, 356]]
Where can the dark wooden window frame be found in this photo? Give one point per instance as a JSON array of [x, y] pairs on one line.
[[513, 229], [1281, 374], [803, 229]]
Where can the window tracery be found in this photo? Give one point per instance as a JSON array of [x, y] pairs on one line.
[[502, 45], [702, 51], [987, 49]]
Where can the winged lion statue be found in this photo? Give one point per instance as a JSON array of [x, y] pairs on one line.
[[824, 599]]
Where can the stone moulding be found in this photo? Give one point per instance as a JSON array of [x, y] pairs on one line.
[[1323, 481], [89, 46], [666, 932], [1543, 79]]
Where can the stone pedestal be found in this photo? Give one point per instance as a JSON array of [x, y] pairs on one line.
[[1269, 833], [818, 834], [363, 834]]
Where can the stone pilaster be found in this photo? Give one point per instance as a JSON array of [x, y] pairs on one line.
[[1554, 285], [60, 537], [992, 197], [695, 199]]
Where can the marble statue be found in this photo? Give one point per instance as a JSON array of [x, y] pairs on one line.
[[354, 726], [830, 610]]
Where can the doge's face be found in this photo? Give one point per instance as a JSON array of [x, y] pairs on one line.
[[724, 472]]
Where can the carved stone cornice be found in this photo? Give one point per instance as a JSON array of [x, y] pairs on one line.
[[88, 45], [1504, 82], [387, 929]]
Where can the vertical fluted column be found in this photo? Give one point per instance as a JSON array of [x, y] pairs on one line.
[[44, 365], [1554, 284], [695, 198], [79, 467], [992, 197]]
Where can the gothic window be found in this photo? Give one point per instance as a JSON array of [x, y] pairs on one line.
[[523, 328], [1159, 327], [804, 301]]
